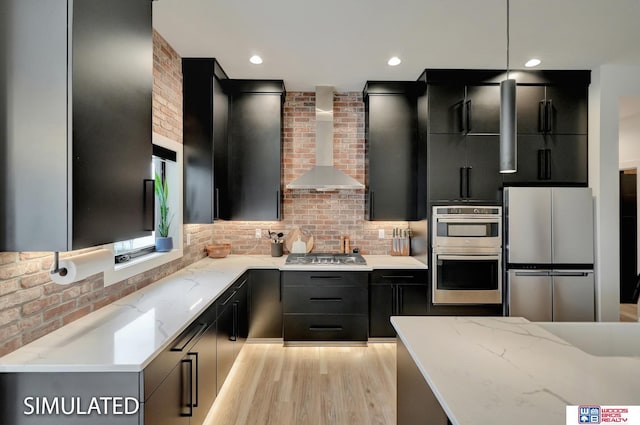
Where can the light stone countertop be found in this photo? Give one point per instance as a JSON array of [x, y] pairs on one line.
[[507, 370], [127, 334]]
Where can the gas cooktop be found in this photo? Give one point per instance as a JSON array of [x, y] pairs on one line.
[[329, 259]]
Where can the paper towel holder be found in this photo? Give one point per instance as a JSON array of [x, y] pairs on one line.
[[56, 269]]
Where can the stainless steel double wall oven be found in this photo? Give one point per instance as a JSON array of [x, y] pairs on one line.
[[467, 255]]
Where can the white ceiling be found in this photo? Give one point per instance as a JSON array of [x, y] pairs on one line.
[[346, 42]]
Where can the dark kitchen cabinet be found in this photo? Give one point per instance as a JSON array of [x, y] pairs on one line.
[[325, 306], [206, 109], [462, 126], [395, 293], [552, 109], [232, 326], [265, 305], [76, 144], [456, 107], [255, 148], [464, 167], [552, 128], [180, 383], [395, 177]]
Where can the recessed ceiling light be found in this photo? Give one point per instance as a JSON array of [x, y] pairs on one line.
[[255, 59], [394, 61], [532, 62]]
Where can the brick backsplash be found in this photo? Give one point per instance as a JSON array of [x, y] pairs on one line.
[[31, 305], [325, 215]]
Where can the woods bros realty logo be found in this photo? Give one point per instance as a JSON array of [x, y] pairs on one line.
[[603, 414]]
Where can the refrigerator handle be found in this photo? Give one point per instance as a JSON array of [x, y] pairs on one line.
[[533, 274], [571, 274]]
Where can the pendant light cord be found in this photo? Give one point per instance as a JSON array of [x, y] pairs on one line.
[[507, 39]]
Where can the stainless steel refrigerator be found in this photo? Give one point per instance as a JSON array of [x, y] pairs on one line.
[[549, 253]]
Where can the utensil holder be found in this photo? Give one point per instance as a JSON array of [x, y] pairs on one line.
[[276, 249]]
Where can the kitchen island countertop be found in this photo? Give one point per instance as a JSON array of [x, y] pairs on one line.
[[127, 334], [507, 370]]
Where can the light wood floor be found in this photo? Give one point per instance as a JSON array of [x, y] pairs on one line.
[[272, 384], [628, 312]]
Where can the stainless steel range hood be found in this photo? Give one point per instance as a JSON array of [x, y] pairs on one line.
[[324, 176]]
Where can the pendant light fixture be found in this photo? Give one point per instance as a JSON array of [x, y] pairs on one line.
[[508, 125]]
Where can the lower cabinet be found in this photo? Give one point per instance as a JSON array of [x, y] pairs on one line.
[[395, 293], [325, 306], [265, 304]]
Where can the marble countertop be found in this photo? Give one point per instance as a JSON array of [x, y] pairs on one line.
[[127, 334], [507, 370]]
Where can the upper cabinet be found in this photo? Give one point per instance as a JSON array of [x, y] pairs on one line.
[[396, 175], [206, 111], [552, 122], [76, 129], [462, 126], [255, 148]]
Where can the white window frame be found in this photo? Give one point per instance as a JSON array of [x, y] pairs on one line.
[[145, 263]]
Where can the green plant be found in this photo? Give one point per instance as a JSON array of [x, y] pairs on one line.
[[162, 193]]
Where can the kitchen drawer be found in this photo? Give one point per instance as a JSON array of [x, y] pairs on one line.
[[399, 276], [325, 299], [327, 278], [164, 362], [326, 327]]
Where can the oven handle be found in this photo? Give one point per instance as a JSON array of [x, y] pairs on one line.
[[468, 257], [468, 220]]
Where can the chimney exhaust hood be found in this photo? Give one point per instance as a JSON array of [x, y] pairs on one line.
[[324, 176]]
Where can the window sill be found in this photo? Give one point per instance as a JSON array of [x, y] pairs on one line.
[[139, 265]]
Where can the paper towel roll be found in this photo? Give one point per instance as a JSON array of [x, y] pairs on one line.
[[82, 266]]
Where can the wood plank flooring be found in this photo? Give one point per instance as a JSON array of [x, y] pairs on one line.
[[628, 312], [271, 384]]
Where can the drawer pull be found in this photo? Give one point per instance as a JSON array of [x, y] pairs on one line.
[[326, 277], [187, 339], [398, 277], [229, 299], [326, 299], [239, 286], [325, 328]]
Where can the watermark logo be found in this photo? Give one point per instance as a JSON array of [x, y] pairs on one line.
[[589, 414], [78, 406], [594, 414]]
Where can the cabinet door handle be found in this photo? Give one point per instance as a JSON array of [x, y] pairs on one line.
[[195, 354], [463, 115], [234, 330], [463, 189], [549, 119], [233, 294], [398, 277], [241, 284], [217, 215], [542, 114], [189, 404], [400, 300], [278, 204], [547, 164], [468, 178], [326, 277], [468, 103], [149, 205], [541, 165]]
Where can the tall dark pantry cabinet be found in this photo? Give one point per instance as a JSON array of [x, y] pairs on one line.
[[75, 123]]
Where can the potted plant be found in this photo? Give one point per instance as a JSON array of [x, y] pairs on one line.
[[164, 242]]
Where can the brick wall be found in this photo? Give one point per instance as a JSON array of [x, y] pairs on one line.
[[325, 215], [30, 304]]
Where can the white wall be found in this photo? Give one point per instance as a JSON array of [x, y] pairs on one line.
[[608, 84]]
